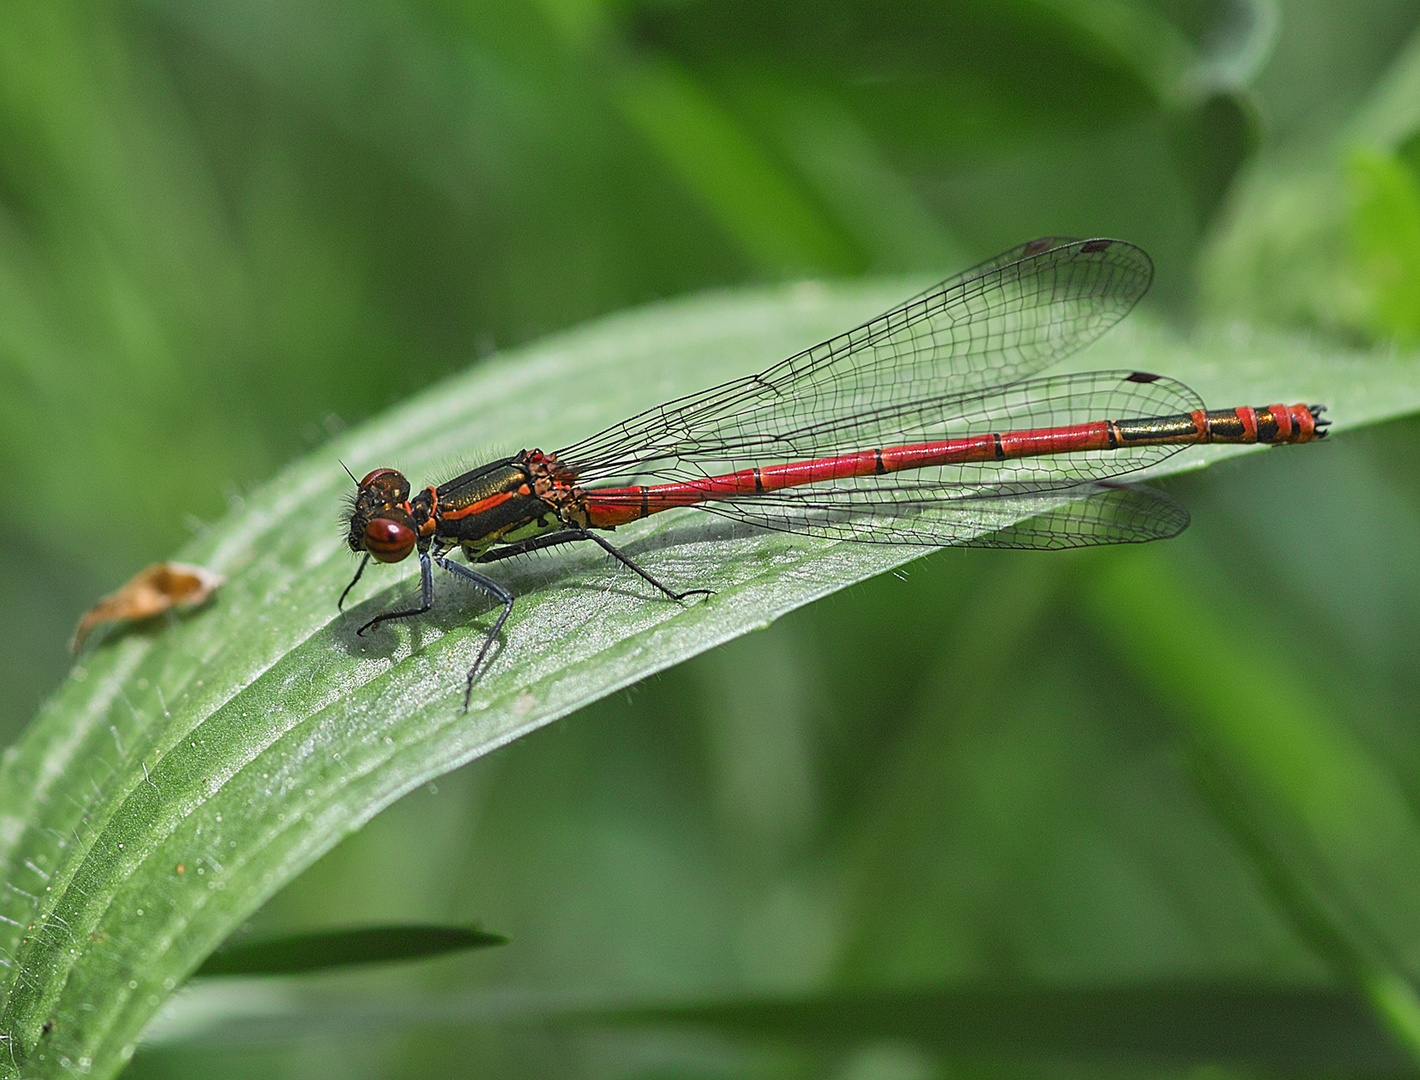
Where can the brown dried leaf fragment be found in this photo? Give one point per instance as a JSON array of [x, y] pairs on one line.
[[151, 591]]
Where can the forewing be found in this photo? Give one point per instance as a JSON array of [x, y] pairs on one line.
[[991, 326]]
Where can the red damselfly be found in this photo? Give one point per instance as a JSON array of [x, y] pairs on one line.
[[919, 427]]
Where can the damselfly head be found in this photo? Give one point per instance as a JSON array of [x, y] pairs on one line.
[[380, 522]]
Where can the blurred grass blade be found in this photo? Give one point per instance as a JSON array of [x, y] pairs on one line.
[[179, 778], [1324, 821], [1136, 35], [1305, 1030], [1385, 228], [1288, 251], [1390, 113], [1211, 142], [779, 228], [1310, 1030], [320, 950]]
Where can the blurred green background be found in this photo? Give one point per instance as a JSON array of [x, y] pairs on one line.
[[228, 229]]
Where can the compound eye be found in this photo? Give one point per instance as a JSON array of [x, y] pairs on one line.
[[387, 540]]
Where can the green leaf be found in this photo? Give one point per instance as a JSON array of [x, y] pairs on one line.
[[320, 950], [180, 777]]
